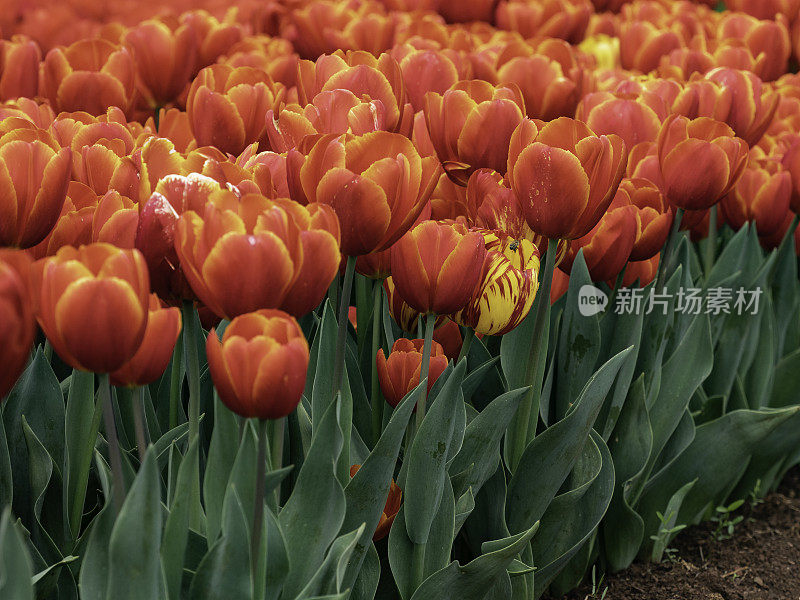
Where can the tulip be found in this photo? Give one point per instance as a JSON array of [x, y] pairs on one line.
[[224, 251], [17, 324], [33, 186], [259, 367], [507, 286], [564, 175], [791, 162], [215, 38], [405, 316], [90, 75], [642, 44], [19, 68], [700, 161], [92, 303], [155, 351], [427, 71], [448, 334], [762, 196], [653, 217], [494, 206], [631, 118], [768, 41], [564, 19], [753, 105], [400, 373], [376, 183], [227, 106], [471, 124], [640, 272], [765, 9], [393, 501], [436, 266], [165, 59]]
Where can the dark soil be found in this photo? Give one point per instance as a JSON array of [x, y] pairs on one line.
[[760, 562]]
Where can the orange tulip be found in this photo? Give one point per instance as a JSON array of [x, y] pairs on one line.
[[629, 117], [393, 501], [448, 334], [19, 68], [753, 104], [227, 106], [507, 286], [34, 175], [223, 253], [640, 272], [405, 316], [436, 266], [791, 162], [378, 265], [653, 216], [376, 183], [165, 59], [642, 44], [17, 325], [92, 303], [259, 367], [427, 71], [564, 175], [700, 161], [564, 19], [89, 75], [400, 373], [768, 41], [765, 9], [155, 351], [762, 196], [471, 124]]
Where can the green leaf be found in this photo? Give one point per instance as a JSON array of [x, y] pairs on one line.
[[323, 349], [176, 530], [135, 540], [16, 569], [6, 476], [313, 515], [549, 458], [329, 577], [475, 579], [572, 517], [671, 520], [368, 577], [277, 559], [221, 457], [93, 579], [224, 573], [428, 457], [787, 381], [480, 451]]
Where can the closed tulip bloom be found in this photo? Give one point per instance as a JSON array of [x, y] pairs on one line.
[[227, 106], [508, 284], [224, 249], [165, 59], [492, 205], [405, 316], [259, 367], [653, 216], [627, 116], [642, 44], [768, 40], [34, 176], [17, 324], [376, 183], [791, 162], [400, 373], [753, 104], [437, 266], [92, 304], [427, 71], [761, 196], [607, 247], [19, 68], [155, 351], [393, 501], [90, 75], [765, 9], [471, 124], [448, 334], [564, 175], [700, 161], [564, 19]]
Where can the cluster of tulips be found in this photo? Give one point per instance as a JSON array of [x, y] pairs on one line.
[[296, 192]]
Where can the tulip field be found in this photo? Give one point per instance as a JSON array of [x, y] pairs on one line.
[[389, 299]]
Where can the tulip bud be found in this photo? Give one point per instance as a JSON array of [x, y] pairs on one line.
[[17, 325], [92, 303], [19, 68], [155, 351], [564, 175], [653, 216], [259, 367], [507, 286], [700, 161], [436, 266], [390, 509], [400, 373]]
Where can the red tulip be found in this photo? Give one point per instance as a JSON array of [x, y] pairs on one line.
[[393, 501], [400, 373], [762, 196], [17, 325]]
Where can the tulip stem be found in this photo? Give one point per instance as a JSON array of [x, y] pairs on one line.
[[665, 263], [175, 382], [418, 564], [711, 242], [430, 322], [375, 397], [277, 443], [118, 491], [534, 370], [469, 335], [192, 369], [258, 511], [341, 336], [138, 422]]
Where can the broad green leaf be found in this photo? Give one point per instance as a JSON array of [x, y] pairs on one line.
[[16, 569], [787, 381], [366, 584], [324, 348], [221, 457], [329, 577], [6, 477], [549, 458], [93, 580], [135, 540], [277, 559]]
